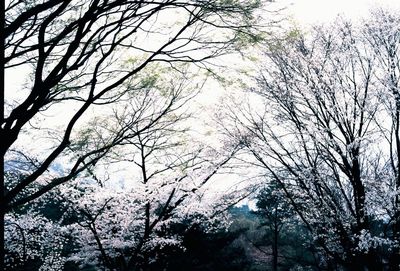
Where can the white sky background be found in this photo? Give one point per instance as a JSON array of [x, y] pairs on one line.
[[316, 11]]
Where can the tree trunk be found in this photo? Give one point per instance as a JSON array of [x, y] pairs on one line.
[[394, 260], [275, 243]]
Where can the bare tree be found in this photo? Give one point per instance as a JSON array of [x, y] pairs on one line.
[[88, 51], [89, 56]]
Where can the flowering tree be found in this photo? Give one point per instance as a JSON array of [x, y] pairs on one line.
[[321, 135], [34, 242], [125, 230], [383, 36], [121, 226]]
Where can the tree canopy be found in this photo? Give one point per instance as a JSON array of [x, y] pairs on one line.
[[104, 168]]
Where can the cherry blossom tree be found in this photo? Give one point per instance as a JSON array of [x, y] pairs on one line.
[[383, 36], [121, 225], [125, 230], [33, 242], [121, 228], [321, 132]]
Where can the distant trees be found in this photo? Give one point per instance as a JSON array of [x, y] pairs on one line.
[[275, 213], [326, 132], [209, 250]]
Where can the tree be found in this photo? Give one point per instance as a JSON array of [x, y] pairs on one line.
[[319, 135], [383, 36], [84, 57], [121, 227], [281, 230], [132, 228], [275, 212], [91, 54]]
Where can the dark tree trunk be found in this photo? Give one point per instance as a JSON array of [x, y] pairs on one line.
[[275, 244]]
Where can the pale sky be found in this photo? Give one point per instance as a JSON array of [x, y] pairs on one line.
[[314, 11]]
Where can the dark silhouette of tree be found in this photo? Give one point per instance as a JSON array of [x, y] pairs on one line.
[[275, 212], [94, 53]]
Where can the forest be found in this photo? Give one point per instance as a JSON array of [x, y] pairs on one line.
[[180, 135]]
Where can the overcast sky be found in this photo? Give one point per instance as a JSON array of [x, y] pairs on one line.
[[314, 11]]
